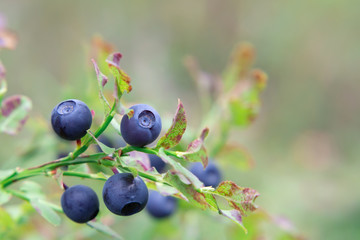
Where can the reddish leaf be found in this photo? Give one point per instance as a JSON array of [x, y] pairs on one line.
[[14, 113], [122, 80], [176, 131], [239, 198]]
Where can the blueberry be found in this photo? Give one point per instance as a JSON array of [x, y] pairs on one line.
[[70, 119], [143, 128], [210, 176], [125, 195], [160, 206], [157, 163], [80, 203]]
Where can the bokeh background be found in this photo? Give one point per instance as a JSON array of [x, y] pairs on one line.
[[304, 141]]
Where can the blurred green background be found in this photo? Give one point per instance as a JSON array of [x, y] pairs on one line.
[[304, 140]]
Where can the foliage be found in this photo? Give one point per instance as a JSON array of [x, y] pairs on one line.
[[236, 103]]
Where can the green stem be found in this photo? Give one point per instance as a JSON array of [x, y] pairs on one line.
[[148, 150], [68, 160]]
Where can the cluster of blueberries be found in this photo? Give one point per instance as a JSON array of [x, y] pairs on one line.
[[123, 194]]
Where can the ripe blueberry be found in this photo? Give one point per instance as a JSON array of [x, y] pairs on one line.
[[210, 176], [125, 195], [160, 206], [157, 163], [80, 203], [70, 119], [143, 127]]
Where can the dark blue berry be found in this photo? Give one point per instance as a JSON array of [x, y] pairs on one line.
[[143, 128], [160, 206], [210, 176], [71, 119], [157, 163], [80, 203], [125, 195]]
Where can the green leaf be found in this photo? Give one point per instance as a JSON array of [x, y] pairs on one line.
[[4, 196], [107, 150], [245, 108], [176, 131], [184, 174], [122, 80], [239, 198], [212, 202], [196, 150], [32, 189], [45, 211], [235, 216], [102, 80], [236, 156], [104, 229], [14, 113], [188, 190], [83, 168]]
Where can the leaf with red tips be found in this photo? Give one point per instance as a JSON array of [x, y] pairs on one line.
[[240, 198], [14, 113], [122, 80], [196, 150], [176, 130]]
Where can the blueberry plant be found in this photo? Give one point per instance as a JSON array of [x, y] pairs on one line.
[[140, 165]]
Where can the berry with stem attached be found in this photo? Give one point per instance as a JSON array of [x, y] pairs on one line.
[[143, 127], [71, 119], [125, 195]]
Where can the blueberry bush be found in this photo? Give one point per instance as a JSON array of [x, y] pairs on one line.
[[165, 175]]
